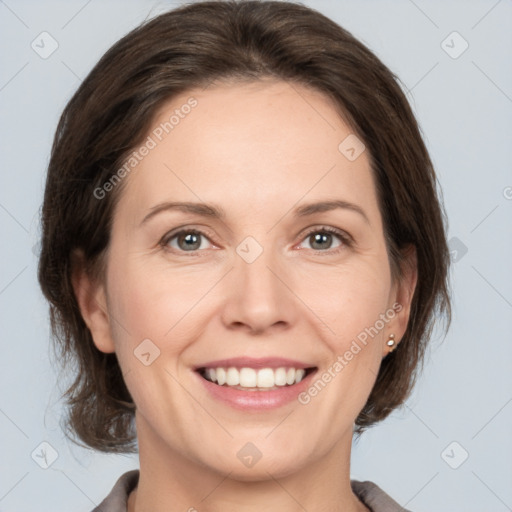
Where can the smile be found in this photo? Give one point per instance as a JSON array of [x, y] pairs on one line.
[[252, 379]]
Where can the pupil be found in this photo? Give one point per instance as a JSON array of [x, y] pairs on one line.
[[319, 238], [191, 241]]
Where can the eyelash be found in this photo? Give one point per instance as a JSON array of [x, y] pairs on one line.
[[346, 239]]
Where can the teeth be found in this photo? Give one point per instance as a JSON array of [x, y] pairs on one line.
[[221, 376], [280, 377], [232, 376], [265, 378], [248, 377], [299, 375], [251, 378]]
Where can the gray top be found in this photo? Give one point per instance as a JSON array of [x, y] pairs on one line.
[[369, 493]]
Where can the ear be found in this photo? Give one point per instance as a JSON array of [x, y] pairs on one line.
[[91, 298], [402, 295]]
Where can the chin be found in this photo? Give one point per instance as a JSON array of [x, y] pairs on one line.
[[261, 467]]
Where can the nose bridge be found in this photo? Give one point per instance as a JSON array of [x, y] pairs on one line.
[[258, 296], [253, 266]]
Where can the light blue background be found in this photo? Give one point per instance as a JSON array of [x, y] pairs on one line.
[[464, 106]]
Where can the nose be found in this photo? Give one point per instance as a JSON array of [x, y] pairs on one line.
[[259, 297]]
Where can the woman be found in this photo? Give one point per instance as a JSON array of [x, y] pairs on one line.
[[194, 177]]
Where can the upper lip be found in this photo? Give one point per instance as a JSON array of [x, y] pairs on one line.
[[249, 362]]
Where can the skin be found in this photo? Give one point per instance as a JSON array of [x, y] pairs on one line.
[[257, 150]]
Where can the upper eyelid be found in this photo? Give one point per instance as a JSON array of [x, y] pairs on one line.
[[178, 231]]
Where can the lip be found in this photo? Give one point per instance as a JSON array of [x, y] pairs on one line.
[[256, 363], [256, 400]]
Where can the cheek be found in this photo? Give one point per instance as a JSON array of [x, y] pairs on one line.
[[150, 300], [349, 300], [158, 303], [168, 307], [148, 336], [354, 308], [353, 312]]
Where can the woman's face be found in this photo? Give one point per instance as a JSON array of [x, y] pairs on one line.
[[252, 269]]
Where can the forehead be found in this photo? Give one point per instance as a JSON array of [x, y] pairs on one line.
[[252, 146]]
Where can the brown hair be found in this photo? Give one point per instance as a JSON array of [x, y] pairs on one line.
[[111, 113]]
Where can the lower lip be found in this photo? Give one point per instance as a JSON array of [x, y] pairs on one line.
[[256, 400]]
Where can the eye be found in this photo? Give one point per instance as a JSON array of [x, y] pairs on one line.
[[193, 240], [321, 239], [186, 240]]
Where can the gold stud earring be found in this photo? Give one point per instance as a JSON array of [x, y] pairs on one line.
[[391, 342]]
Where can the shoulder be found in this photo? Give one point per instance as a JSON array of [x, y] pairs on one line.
[[116, 501], [374, 497]]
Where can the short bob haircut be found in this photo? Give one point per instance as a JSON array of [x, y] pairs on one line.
[[111, 113]]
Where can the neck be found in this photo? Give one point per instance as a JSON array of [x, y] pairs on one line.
[[170, 481]]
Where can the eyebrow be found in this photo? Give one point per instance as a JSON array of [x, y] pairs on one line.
[[216, 212]]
